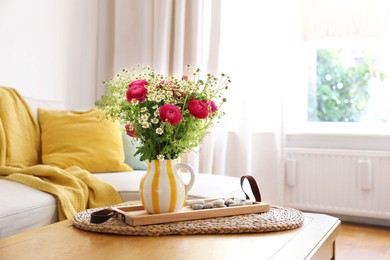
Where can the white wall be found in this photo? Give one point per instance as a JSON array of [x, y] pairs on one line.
[[48, 49]]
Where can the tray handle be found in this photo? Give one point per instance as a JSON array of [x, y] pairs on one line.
[[102, 216], [254, 188]]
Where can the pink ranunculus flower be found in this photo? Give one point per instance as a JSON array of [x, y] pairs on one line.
[[198, 108], [161, 84], [130, 131], [170, 113], [137, 90], [213, 107]]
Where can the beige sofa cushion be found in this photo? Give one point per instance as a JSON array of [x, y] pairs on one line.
[[23, 208]]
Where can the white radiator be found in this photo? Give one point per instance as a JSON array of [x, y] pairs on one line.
[[347, 182]]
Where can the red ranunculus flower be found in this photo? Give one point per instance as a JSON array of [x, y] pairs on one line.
[[170, 113], [130, 131], [213, 107], [198, 108], [137, 90]]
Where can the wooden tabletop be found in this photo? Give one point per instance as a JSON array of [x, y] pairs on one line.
[[315, 240]]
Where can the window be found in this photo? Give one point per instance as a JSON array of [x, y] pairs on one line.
[[344, 87], [350, 83]]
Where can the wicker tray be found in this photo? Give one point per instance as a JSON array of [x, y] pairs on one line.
[[276, 219]]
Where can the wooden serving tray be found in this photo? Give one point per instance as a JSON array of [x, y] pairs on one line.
[[136, 215]]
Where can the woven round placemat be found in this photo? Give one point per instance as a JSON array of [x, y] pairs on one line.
[[276, 219]]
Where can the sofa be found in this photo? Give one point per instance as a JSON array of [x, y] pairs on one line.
[[24, 208]]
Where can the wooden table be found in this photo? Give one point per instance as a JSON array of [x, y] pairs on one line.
[[314, 240]]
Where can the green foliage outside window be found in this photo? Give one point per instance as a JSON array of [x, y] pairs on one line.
[[342, 92]]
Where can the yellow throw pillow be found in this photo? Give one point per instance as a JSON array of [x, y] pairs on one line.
[[72, 138]]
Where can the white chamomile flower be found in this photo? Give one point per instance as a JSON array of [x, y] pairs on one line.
[[144, 109], [159, 98], [156, 113], [155, 120], [145, 124], [144, 117], [134, 101], [152, 96], [160, 157], [155, 106], [159, 131]]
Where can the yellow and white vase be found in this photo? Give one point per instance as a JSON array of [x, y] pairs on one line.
[[162, 189]]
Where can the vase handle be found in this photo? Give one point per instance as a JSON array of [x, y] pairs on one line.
[[192, 172]]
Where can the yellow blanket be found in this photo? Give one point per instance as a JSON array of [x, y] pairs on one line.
[[75, 189], [19, 131]]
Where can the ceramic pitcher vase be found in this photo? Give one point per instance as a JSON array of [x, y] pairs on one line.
[[162, 189]]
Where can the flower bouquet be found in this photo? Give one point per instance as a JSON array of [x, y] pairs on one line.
[[169, 116]]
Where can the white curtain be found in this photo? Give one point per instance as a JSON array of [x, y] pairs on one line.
[[260, 43], [166, 34]]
